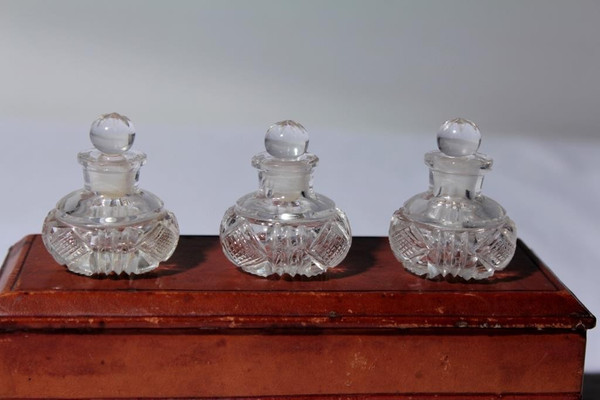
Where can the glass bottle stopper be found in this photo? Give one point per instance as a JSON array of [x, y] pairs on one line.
[[113, 170], [287, 167], [286, 140], [112, 133], [459, 137]]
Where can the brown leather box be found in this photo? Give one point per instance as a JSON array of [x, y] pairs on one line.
[[197, 327]]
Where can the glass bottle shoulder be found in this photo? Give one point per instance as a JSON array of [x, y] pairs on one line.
[[308, 207], [454, 212], [88, 208]]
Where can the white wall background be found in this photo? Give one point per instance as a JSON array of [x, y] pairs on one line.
[[371, 81]]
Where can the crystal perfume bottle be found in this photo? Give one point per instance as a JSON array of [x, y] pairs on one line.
[[452, 229], [285, 227], [110, 226]]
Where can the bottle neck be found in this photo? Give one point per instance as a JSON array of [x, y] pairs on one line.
[[285, 184], [285, 180], [459, 177], [443, 184], [111, 175]]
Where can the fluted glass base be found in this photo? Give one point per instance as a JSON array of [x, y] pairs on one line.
[[131, 249], [431, 251], [267, 247]]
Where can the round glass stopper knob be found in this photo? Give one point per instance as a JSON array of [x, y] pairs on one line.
[[286, 140], [112, 133], [458, 137]]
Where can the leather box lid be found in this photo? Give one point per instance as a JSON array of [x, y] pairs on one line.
[[198, 288]]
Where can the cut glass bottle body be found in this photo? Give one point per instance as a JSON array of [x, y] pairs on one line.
[[285, 227], [473, 250], [110, 226], [452, 229], [267, 246], [118, 239]]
